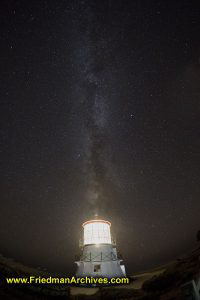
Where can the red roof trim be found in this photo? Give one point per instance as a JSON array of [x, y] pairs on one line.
[[96, 221]]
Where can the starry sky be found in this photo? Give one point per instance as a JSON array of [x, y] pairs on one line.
[[99, 114]]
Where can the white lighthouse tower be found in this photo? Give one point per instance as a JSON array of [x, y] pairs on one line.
[[98, 252]]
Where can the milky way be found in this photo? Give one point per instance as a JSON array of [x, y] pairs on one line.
[[92, 106]]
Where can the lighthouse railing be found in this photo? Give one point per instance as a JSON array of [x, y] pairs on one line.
[[113, 241], [99, 257]]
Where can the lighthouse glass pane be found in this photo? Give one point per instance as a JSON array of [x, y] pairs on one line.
[[97, 233]]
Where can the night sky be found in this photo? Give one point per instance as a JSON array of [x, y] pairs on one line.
[[100, 107]]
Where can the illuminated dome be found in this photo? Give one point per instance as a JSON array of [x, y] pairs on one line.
[[97, 232]]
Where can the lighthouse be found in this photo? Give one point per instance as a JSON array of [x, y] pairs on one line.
[[99, 256]]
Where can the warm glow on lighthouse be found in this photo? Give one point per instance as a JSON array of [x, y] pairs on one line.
[[97, 232]]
